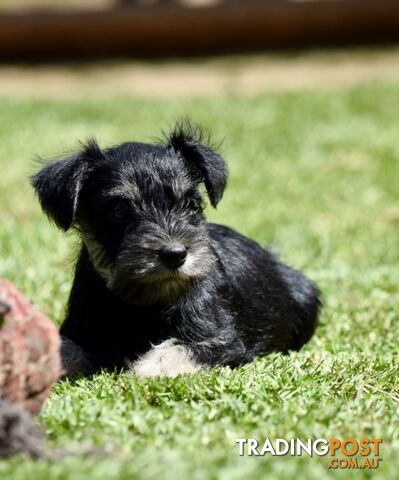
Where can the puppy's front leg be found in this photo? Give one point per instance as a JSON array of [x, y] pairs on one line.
[[170, 358]]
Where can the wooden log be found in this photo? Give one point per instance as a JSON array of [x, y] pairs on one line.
[[171, 30]]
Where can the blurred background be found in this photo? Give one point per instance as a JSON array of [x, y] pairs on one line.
[[167, 48]]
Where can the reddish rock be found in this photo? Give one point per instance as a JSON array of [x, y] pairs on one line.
[[29, 351]]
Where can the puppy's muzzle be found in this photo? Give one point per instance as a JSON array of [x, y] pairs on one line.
[[173, 255]]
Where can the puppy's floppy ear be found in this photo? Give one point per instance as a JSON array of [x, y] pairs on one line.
[[205, 163], [58, 184]]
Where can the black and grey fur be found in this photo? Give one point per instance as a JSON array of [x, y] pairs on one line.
[[158, 289]]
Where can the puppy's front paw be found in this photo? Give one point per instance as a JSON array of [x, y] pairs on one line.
[[74, 359], [169, 358]]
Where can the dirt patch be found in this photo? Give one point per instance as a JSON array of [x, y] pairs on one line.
[[23, 5], [236, 75]]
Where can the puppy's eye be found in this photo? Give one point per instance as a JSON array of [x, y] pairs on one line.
[[120, 211]]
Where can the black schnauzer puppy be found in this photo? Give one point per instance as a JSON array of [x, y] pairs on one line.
[[158, 289]]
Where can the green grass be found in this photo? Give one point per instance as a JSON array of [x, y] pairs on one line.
[[314, 174]]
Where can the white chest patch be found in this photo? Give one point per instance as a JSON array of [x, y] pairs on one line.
[[167, 359]]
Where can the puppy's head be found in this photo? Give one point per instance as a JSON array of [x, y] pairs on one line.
[[139, 210]]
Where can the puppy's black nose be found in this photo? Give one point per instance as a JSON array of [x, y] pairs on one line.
[[173, 255]]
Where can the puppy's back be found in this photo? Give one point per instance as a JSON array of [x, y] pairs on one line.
[[275, 303]]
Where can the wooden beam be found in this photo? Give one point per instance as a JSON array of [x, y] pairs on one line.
[[173, 31]]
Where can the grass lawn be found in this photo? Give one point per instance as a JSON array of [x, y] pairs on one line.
[[314, 174]]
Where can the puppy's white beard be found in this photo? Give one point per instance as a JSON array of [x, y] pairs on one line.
[[169, 358], [158, 287], [198, 264], [169, 289]]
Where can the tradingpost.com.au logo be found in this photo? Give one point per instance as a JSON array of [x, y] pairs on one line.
[[346, 453]]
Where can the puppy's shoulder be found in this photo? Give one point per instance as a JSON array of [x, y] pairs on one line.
[[240, 255], [226, 240]]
